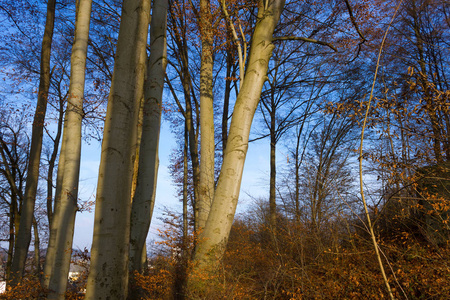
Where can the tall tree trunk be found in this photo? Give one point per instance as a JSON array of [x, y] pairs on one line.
[[207, 145], [24, 232], [193, 144], [51, 163], [51, 248], [214, 237], [144, 199], [64, 216], [108, 276]]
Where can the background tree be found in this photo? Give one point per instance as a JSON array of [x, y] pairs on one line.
[[144, 198], [108, 276], [24, 231]]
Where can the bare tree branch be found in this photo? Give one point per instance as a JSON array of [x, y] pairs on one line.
[[308, 40]]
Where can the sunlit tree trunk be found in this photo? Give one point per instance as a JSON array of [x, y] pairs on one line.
[[144, 199], [51, 248], [108, 275], [207, 145], [51, 163], [64, 215], [214, 237], [24, 232]]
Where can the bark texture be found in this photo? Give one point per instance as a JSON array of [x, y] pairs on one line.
[[108, 276], [144, 198], [206, 184], [24, 233], [64, 216]]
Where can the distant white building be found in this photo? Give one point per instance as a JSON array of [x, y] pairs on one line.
[[75, 271]]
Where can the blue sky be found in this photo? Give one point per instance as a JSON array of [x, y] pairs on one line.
[[254, 183]]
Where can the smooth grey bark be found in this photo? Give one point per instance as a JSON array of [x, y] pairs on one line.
[[207, 144], [24, 233], [144, 197], [214, 237], [108, 276], [64, 215], [51, 248]]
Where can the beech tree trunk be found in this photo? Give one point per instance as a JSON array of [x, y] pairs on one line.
[[207, 145], [51, 248], [64, 215], [108, 276], [51, 163], [214, 237], [24, 233], [144, 198]]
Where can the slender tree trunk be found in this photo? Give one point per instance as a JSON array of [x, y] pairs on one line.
[[24, 232], [226, 104], [214, 237], [297, 179], [183, 59], [273, 171], [185, 185], [64, 216], [108, 275], [207, 145], [144, 199], [51, 248], [37, 250], [13, 210], [193, 148], [230, 73], [11, 239], [51, 163]]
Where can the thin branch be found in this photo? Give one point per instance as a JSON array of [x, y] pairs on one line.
[[236, 41], [352, 18], [174, 95], [308, 40], [372, 234]]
